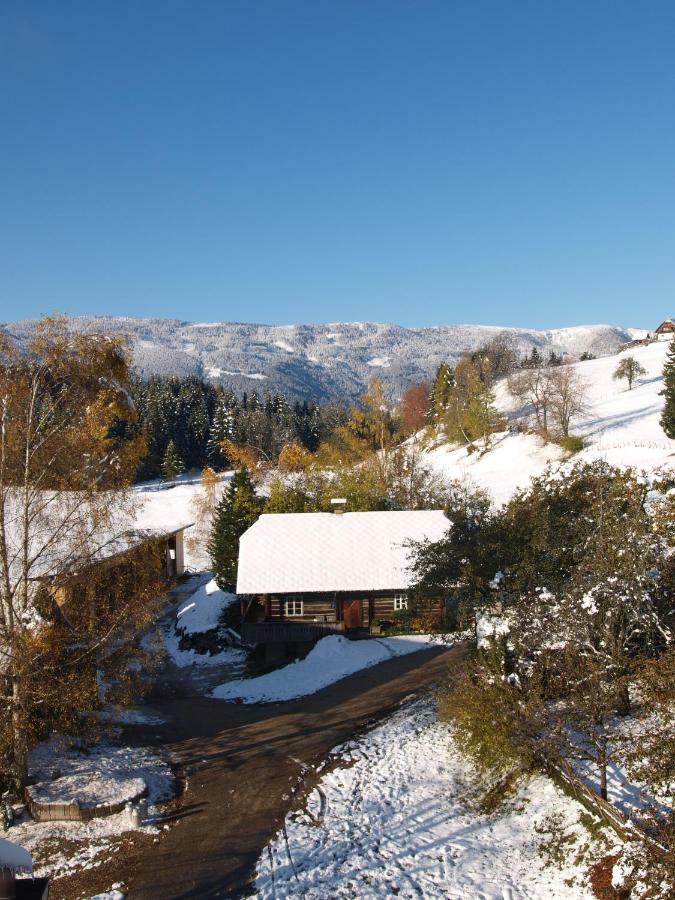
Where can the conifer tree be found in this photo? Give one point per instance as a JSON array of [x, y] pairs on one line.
[[222, 429], [534, 360], [192, 425], [441, 391], [668, 415], [237, 510], [172, 464], [481, 416]]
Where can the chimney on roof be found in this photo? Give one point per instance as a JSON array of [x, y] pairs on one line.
[[338, 504]]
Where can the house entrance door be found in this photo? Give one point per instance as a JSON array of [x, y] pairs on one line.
[[353, 613]]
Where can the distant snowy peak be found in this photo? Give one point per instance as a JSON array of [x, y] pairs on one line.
[[333, 361]]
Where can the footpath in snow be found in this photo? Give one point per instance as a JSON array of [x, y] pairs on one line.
[[392, 820], [332, 658]]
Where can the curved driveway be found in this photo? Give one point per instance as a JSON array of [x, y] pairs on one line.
[[243, 765]]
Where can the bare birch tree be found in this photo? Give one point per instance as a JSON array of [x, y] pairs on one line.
[[533, 387], [64, 508], [568, 396]]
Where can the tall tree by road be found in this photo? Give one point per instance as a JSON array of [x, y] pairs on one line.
[[238, 509], [64, 504]]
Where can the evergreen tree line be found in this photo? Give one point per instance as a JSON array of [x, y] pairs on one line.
[[185, 420]]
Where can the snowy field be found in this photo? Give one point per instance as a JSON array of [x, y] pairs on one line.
[[619, 426], [334, 657], [391, 819]]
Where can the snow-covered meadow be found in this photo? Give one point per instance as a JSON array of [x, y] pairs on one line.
[[173, 503], [390, 817], [619, 426]]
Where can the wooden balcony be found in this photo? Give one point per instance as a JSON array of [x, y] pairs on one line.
[[269, 632]]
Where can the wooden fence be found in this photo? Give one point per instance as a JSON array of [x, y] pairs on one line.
[[586, 795], [73, 812]]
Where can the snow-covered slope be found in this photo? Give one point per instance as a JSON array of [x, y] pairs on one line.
[[620, 426], [391, 818], [320, 362]]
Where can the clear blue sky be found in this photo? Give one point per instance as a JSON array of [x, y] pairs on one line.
[[418, 162]]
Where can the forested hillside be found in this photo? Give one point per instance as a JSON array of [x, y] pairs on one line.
[[331, 362]]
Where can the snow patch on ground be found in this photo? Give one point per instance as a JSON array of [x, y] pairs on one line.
[[198, 613], [127, 716], [334, 657], [204, 609], [14, 857], [380, 362], [395, 823], [283, 345], [115, 893], [95, 776], [217, 372]]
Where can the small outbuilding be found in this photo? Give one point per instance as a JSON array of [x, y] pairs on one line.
[[303, 575]]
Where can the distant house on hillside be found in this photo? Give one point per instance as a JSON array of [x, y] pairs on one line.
[[666, 330], [304, 575]]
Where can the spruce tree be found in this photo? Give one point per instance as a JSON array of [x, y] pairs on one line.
[[172, 464], [221, 430], [441, 391], [534, 360], [481, 416], [238, 509], [668, 415], [192, 421]]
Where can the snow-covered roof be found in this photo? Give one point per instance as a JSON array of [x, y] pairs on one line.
[[70, 531], [14, 857], [285, 553]]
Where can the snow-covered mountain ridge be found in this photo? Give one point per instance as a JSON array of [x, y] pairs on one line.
[[321, 362], [618, 425]]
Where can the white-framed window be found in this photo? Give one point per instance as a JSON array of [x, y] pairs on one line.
[[294, 607], [400, 602]]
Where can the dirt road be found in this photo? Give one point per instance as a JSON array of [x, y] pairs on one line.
[[243, 763]]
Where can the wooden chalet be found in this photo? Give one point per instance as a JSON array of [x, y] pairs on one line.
[[666, 330], [303, 575]]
